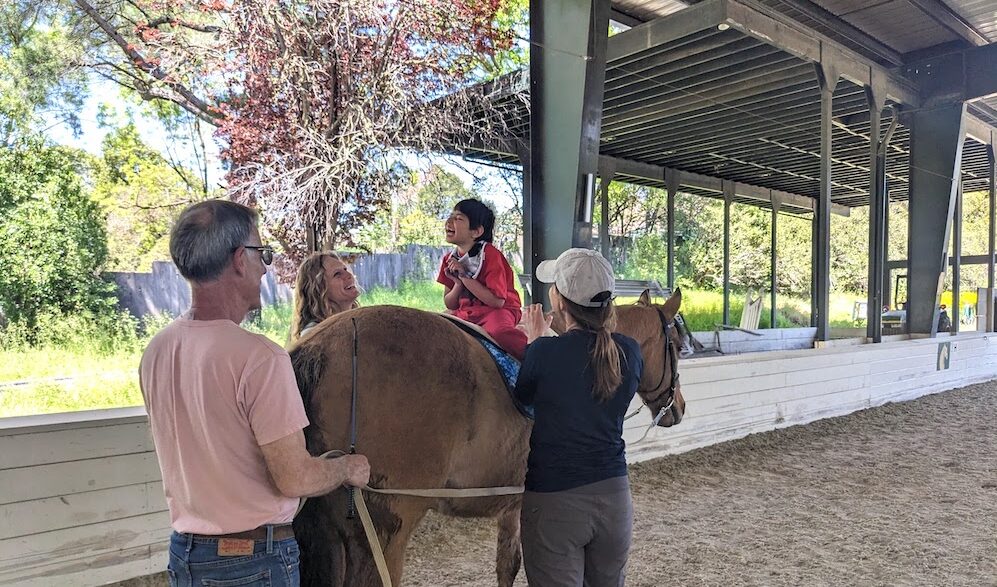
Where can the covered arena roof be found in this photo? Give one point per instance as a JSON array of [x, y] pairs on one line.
[[727, 89]]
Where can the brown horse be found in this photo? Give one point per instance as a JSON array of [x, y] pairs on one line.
[[432, 412]]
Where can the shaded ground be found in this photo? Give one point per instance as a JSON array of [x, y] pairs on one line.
[[904, 494]]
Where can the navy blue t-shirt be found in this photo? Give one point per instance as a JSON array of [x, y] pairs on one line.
[[576, 440]]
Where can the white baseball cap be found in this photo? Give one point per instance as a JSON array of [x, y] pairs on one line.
[[583, 276]]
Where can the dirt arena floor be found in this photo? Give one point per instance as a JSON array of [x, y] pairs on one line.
[[904, 494], [901, 495]]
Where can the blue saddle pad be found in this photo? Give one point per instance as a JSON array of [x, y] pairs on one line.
[[508, 366]]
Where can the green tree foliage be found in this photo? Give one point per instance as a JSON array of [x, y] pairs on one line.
[[417, 212], [40, 76], [142, 194], [513, 15], [52, 234], [637, 224]]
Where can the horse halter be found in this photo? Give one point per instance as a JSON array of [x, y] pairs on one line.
[[671, 360]]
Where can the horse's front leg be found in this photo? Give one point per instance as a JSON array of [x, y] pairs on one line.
[[409, 512], [508, 553]]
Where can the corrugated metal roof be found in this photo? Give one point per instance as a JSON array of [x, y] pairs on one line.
[[980, 14], [985, 109], [898, 24], [727, 105], [902, 25], [647, 10]]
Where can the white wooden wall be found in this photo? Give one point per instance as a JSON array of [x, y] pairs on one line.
[[81, 501], [734, 342], [734, 396]]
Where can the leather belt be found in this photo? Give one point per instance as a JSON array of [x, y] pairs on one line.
[[282, 532]]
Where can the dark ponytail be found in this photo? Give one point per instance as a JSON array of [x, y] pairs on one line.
[[605, 357]]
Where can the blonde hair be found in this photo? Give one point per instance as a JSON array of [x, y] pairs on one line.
[[310, 301], [605, 357]]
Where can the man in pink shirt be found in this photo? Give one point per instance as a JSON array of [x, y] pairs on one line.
[[226, 415]]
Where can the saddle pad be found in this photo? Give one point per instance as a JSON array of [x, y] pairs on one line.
[[507, 365]]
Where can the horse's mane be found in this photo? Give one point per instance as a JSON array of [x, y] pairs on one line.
[[308, 361]]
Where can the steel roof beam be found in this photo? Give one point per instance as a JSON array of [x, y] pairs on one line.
[[853, 33], [944, 16], [978, 130], [797, 97], [686, 48], [956, 77], [685, 137], [658, 175], [703, 68], [713, 184], [708, 85], [767, 26], [720, 102]]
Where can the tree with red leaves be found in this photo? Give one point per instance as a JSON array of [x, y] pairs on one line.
[[312, 99]]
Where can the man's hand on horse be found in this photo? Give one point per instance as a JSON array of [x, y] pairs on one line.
[[357, 470], [535, 322]]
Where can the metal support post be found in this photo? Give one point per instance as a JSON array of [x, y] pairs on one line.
[[728, 187], [672, 185]]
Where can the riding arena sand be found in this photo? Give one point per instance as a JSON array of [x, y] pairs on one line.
[[902, 494], [899, 495]]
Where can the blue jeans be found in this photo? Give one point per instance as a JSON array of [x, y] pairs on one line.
[[194, 562]]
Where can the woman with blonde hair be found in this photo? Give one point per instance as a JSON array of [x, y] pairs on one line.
[[577, 513], [325, 286]]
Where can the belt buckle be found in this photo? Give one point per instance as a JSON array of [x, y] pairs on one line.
[[235, 547]]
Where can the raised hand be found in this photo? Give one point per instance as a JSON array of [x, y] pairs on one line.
[[535, 322]]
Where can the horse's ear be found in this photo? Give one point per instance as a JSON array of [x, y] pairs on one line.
[[645, 298], [673, 304]]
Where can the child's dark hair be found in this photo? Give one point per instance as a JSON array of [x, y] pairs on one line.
[[478, 216]]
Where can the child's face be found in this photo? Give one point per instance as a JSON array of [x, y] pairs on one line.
[[459, 231]]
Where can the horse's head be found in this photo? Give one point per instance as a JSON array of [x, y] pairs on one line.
[[653, 327]]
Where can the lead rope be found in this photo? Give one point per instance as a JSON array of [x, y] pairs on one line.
[[368, 523], [654, 422], [357, 503]]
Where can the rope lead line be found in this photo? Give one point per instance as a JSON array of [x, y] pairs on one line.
[[368, 523], [352, 512]]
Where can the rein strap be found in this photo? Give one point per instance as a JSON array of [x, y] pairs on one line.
[[443, 493]]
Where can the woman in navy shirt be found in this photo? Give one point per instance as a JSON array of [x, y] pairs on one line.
[[577, 513]]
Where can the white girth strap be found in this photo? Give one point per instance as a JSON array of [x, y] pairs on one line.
[[368, 522]]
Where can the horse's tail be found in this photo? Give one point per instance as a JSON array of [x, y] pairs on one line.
[[308, 361]]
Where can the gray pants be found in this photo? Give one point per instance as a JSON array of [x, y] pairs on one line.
[[579, 537]]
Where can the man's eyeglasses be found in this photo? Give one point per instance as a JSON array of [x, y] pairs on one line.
[[266, 252]]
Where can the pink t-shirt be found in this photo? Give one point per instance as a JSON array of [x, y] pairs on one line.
[[216, 392]]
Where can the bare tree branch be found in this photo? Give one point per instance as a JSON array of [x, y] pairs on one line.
[[191, 102]]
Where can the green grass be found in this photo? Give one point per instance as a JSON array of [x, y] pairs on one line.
[[95, 366], [101, 360], [703, 310], [424, 295]]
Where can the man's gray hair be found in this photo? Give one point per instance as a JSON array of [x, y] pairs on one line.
[[206, 234]]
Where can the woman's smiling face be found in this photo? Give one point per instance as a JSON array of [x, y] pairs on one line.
[[340, 284]]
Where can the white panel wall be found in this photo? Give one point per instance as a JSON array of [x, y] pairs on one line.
[[733, 396], [81, 501], [735, 342]]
